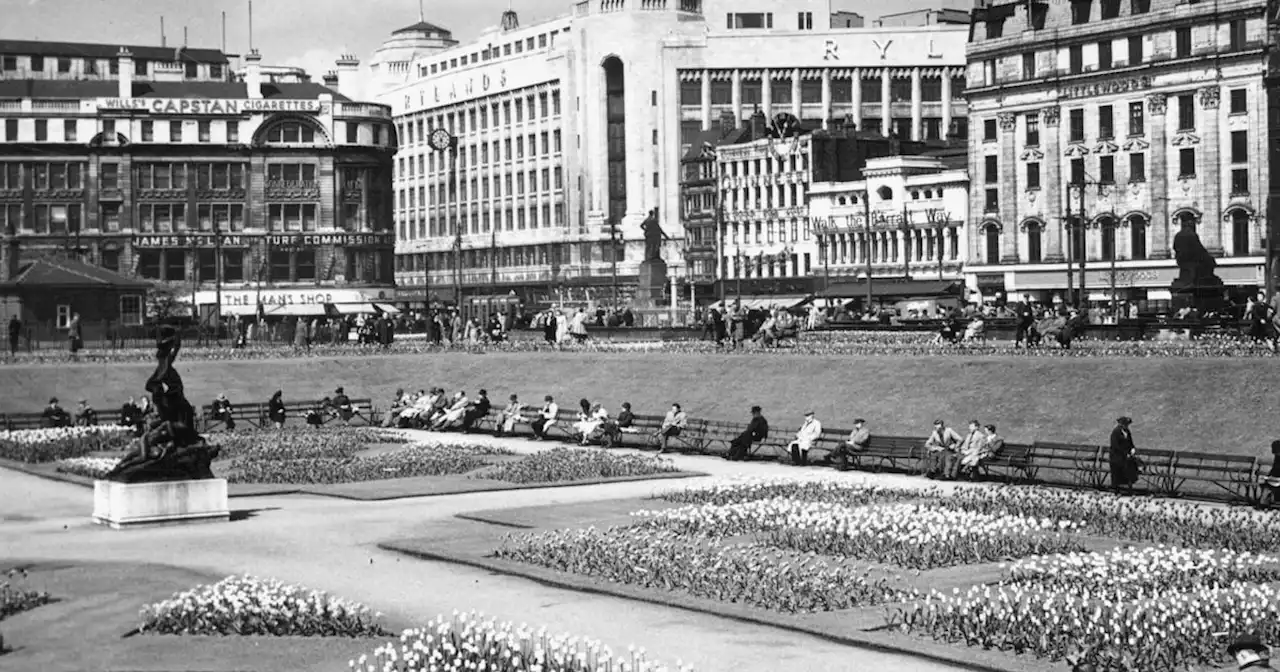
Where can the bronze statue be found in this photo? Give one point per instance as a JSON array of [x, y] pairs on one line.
[[172, 449], [1195, 264], [653, 236]]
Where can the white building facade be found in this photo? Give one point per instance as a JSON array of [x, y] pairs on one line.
[[571, 131]]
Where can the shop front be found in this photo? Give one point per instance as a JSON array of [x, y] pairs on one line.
[[311, 302]]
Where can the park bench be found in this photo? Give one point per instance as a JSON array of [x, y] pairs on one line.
[[717, 435], [1240, 476], [251, 415], [17, 421], [256, 414], [1087, 464], [1160, 473], [900, 453], [1014, 461]]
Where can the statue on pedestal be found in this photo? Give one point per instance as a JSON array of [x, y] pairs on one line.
[[653, 236], [172, 449], [1197, 285]]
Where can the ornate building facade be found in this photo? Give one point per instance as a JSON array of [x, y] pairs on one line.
[[1102, 128]]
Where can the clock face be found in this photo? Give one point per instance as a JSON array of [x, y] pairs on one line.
[[440, 139]]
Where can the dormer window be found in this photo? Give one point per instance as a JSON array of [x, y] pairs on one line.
[[995, 28], [1080, 10], [1039, 11], [1110, 9]]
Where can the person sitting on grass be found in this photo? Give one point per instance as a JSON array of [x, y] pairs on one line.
[[340, 406], [453, 414], [978, 448], [513, 413], [54, 415], [940, 448], [857, 443], [546, 418], [672, 425], [478, 409], [810, 431], [220, 410], [275, 410], [85, 415]]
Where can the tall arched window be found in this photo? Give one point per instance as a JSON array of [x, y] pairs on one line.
[[1239, 233], [1107, 225], [1034, 253], [991, 237], [1137, 237]]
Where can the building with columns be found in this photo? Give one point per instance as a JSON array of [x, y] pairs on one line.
[[571, 131], [1101, 128], [177, 172]]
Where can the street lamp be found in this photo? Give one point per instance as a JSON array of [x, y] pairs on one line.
[[442, 140], [1070, 224], [866, 208]]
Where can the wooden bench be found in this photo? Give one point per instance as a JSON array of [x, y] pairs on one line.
[[1087, 464], [1240, 476], [717, 436], [256, 414], [17, 421], [1014, 461], [1159, 473], [247, 414], [900, 453]]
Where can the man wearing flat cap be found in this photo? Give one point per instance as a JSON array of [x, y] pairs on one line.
[[809, 432], [1250, 653]]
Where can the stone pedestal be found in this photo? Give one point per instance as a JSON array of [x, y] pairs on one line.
[[123, 505], [652, 283]]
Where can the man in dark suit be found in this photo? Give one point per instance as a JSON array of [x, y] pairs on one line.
[[757, 430], [475, 411], [1026, 318]]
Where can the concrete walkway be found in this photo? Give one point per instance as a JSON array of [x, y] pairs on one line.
[[329, 544]]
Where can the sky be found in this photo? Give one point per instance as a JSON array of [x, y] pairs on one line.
[[307, 33]]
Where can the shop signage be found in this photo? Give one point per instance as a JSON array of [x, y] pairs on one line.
[[991, 280], [207, 240], [208, 106], [1096, 89], [1097, 279], [930, 46], [295, 297], [450, 87]]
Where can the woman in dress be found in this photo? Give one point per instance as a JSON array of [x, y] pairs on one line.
[[275, 409], [1123, 456]]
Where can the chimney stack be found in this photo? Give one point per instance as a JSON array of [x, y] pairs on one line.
[[331, 80], [126, 73], [759, 125], [727, 123], [253, 73], [348, 67]]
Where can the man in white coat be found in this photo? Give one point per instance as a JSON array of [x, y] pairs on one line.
[[809, 432]]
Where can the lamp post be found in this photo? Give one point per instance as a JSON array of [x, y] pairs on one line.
[[1079, 187], [866, 208], [442, 140], [217, 282], [822, 227]]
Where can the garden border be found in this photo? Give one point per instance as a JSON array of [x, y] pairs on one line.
[[875, 640]]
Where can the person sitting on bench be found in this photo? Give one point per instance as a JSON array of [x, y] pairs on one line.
[[220, 410], [54, 415], [457, 408], [315, 416], [672, 425], [275, 410], [808, 433], [340, 406], [130, 414], [757, 430], [978, 448], [546, 418], [1272, 479], [399, 402], [626, 420], [858, 442], [941, 456], [85, 415], [477, 410], [513, 413]]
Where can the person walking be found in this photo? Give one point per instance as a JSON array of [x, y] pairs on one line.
[[757, 430], [1123, 456], [74, 335], [1026, 318], [275, 409], [15, 330]]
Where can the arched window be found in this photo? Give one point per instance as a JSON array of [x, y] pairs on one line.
[[1034, 253], [991, 236], [885, 193], [842, 200], [291, 133], [1239, 233], [1107, 225], [1137, 237]]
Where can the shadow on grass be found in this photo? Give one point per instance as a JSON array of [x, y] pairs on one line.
[[238, 515]]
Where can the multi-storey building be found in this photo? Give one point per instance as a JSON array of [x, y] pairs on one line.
[[1102, 129], [156, 164], [571, 131]]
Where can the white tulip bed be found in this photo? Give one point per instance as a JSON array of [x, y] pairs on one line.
[[1181, 581]]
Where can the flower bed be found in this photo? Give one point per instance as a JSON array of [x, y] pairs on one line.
[[1180, 610], [739, 490], [301, 442], [246, 605], [472, 642], [420, 460], [666, 560], [574, 464], [15, 600], [50, 445], [89, 467], [905, 535]]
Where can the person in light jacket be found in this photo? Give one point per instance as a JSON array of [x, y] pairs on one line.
[[672, 425], [546, 418], [809, 432], [513, 413]]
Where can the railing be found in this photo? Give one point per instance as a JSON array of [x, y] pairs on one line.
[[361, 110], [292, 184], [612, 6], [10, 105], [67, 106]]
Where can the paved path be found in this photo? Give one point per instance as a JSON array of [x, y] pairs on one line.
[[329, 544]]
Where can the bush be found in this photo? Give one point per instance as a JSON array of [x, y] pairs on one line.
[[247, 605]]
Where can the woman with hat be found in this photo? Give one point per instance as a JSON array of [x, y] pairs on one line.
[[1123, 458]]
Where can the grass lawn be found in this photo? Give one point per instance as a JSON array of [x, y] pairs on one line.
[[97, 605], [1214, 404]]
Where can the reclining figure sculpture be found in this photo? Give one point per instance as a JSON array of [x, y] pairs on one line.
[[172, 449]]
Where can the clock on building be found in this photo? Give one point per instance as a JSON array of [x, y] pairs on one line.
[[441, 139]]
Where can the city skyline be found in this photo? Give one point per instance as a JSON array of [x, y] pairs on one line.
[[275, 32]]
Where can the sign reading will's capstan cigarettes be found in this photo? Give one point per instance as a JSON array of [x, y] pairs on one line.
[[209, 106]]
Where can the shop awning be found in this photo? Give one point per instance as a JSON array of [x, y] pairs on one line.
[[296, 310], [892, 289], [761, 301], [387, 308], [353, 308]]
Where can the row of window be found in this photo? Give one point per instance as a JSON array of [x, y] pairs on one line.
[[478, 154], [65, 65], [441, 194], [788, 196], [899, 127], [506, 219], [1242, 239], [504, 257], [492, 52], [760, 267], [59, 175], [922, 246], [167, 217], [1108, 53], [782, 91], [281, 265], [542, 105], [179, 131]]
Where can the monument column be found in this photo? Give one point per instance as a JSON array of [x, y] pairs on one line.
[[1008, 188], [1211, 221], [1051, 185], [1158, 177]]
